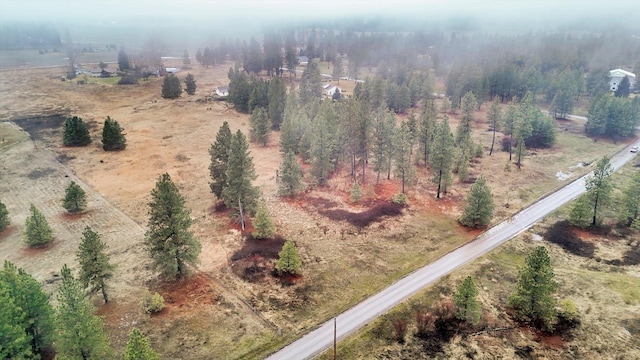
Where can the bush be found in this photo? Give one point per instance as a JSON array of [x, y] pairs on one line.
[[152, 303], [400, 199], [506, 143], [479, 151], [4, 216], [37, 231], [75, 199], [356, 192], [568, 316], [128, 80]]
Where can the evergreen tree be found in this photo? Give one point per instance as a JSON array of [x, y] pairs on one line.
[[338, 69], [37, 231], [522, 127], [277, 94], [75, 199], [323, 144], [630, 201], [260, 128], [426, 129], [123, 61], [112, 136], [463, 132], [4, 217], [258, 95], [139, 348], [95, 268], [290, 131], [79, 332], [33, 316], [171, 88], [479, 209], [168, 240], [311, 83], [240, 195], [263, 223], [190, 84], [14, 342], [288, 260], [402, 144], [186, 60], [624, 88], [219, 152], [442, 155], [495, 120], [75, 132], [532, 299], [467, 307], [580, 214], [289, 176], [599, 187], [239, 90]]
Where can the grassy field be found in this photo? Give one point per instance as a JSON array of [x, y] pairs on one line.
[[606, 296]]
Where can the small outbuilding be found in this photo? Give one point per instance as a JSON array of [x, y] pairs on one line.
[[222, 91]]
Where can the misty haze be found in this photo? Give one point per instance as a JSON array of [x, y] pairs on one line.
[[279, 179]]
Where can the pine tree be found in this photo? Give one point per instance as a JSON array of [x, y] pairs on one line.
[[630, 201], [186, 60], [291, 124], [4, 217], [288, 260], [289, 176], [495, 120], [442, 155], [219, 152], [14, 342], [260, 128], [479, 208], [623, 89], [599, 187], [323, 145], [338, 68], [139, 348], [426, 129], [123, 61], [240, 195], [190, 84], [467, 307], [311, 83], [95, 268], [263, 223], [402, 144], [580, 214], [171, 88], [75, 132], [532, 299], [382, 147], [463, 132], [79, 332], [37, 315], [168, 240], [277, 94], [112, 137], [75, 199], [37, 230]]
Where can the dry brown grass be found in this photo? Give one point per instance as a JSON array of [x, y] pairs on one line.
[[222, 313]]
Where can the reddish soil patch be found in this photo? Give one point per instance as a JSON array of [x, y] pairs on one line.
[[197, 290], [554, 341]]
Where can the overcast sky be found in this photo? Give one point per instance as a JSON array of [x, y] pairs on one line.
[[92, 10]]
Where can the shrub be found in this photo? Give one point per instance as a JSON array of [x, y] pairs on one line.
[[479, 151], [356, 192], [400, 199], [152, 303], [4, 216], [506, 143], [171, 88], [568, 316]]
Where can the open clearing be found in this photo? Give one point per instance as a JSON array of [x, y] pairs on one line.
[[232, 307]]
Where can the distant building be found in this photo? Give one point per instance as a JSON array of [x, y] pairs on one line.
[[303, 60], [329, 89], [222, 91], [171, 70], [616, 77]]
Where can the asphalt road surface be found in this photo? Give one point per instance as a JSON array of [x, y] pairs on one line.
[[320, 339]]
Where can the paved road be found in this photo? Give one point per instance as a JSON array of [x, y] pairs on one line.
[[351, 320]]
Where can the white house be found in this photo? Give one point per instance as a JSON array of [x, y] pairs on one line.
[[303, 60], [329, 89], [222, 91], [616, 78], [171, 70]]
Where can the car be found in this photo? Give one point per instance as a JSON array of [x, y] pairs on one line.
[[634, 149]]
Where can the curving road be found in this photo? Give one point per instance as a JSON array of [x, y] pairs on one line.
[[351, 320]]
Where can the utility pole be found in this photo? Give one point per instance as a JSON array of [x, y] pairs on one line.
[[334, 339]]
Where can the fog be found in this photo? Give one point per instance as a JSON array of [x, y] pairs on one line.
[[250, 13]]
